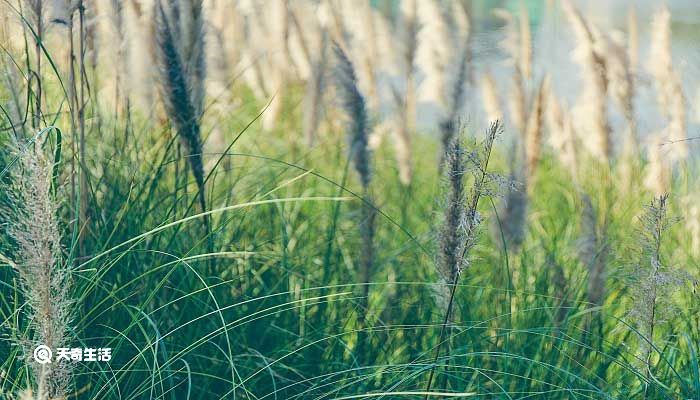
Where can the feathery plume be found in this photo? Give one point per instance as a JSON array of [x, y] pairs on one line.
[[562, 137], [462, 219], [517, 102], [406, 101], [434, 52], [279, 60], [45, 276], [632, 40], [514, 46], [658, 170], [533, 134], [455, 97], [592, 105], [489, 95], [313, 106], [452, 236], [525, 48], [510, 43], [653, 281], [668, 83], [362, 22], [353, 102], [180, 55], [621, 84]]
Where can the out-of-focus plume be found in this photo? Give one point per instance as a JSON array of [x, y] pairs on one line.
[[533, 133], [489, 95], [353, 103], [515, 47], [668, 84], [457, 77], [434, 51], [658, 170], [313, 100], [408, 29], [562, 137], [632, 40], [525, 47], [621, 83], [592, 104]]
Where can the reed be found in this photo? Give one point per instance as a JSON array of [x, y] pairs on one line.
[[667, 82], [462, 221], [434, 52], [315, 87], [515, 48], [525, 45], [534, 131], [489, 95], [632, 40], [451, 237], [180, 54], [33, 224], [592, 104], [562, 137], [408, 29], [456, 98], [658, 169], [621, 84], [654, 281], [357, 131]]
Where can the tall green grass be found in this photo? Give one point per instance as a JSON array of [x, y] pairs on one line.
[[267, 304]]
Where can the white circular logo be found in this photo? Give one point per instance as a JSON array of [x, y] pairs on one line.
[[42, 354]]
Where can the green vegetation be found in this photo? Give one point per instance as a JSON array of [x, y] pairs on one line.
[[260, 287]]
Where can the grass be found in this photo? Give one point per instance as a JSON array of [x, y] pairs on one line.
[[267, 305]]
